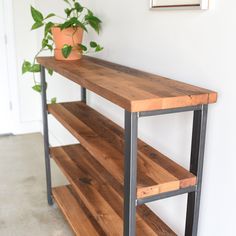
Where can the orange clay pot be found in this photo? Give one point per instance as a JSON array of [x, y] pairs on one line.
[[71, 36]]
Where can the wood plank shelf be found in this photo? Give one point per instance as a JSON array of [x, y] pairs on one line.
[[94, 203], [105, 141], [77, 215], [131, 89]]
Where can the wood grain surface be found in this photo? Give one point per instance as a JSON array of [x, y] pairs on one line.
[[104, 140], [128, 88], [101, 195], [78, 216]]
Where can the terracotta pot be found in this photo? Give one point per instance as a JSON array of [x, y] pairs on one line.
[[71, 36]]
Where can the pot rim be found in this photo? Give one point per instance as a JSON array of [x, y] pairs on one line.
[[72, 27]]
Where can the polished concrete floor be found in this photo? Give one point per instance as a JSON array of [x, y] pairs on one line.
[[23, 207]]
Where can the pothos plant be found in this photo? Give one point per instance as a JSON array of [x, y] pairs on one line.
[[76, 16]]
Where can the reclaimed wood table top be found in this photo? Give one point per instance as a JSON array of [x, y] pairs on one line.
[[129, 88]]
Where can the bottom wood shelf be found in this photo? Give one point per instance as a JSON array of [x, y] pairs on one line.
[[93, 204], [75, 212]]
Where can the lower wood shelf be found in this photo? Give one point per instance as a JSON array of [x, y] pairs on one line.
[[104, 140], [78, 216], [93, 205]]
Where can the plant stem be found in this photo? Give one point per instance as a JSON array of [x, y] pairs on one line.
[[42, 49], [60, 17]]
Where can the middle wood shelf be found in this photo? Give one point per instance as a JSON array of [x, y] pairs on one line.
[[104, 140]]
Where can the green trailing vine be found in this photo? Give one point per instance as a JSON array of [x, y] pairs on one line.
[[76, 16]]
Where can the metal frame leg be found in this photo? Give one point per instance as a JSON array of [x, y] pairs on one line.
[[130, 178], [196, 167], [83, 95], [45, 136]]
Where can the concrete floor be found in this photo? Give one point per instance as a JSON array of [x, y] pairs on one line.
[[23, 207]]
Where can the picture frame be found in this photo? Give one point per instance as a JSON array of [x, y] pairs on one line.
[[179, 4]]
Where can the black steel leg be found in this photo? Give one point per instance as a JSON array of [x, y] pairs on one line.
[[131, 130], [196, 167], [45, 136], [83, 95]]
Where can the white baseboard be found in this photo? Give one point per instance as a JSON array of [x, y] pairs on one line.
[[58, 135]]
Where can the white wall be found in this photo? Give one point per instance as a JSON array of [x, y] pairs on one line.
[[197, 47], [25, 102], [5, 121]]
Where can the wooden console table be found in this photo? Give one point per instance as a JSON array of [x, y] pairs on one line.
[[112, 173]]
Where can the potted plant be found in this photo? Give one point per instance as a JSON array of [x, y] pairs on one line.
[[64, 37]]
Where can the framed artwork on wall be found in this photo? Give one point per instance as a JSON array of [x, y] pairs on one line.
[[188, 4]]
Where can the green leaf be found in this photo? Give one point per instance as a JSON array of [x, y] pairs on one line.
[[53, 100], [68, 11], [73, 22], [35, 68], [94, 18], [48, 28], [81, 25], [94, 25], [26, 66], [50, 71], [67, 24], [90, 16], [90, 13], [67, 2], [78, 7], [50, 47], [93, 44], [93, 21], [83, 48], [49, 37], [37, 88], [66, 50], [37, 15], [44, 43], [36, 25], [99, 48], [49, 15]]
